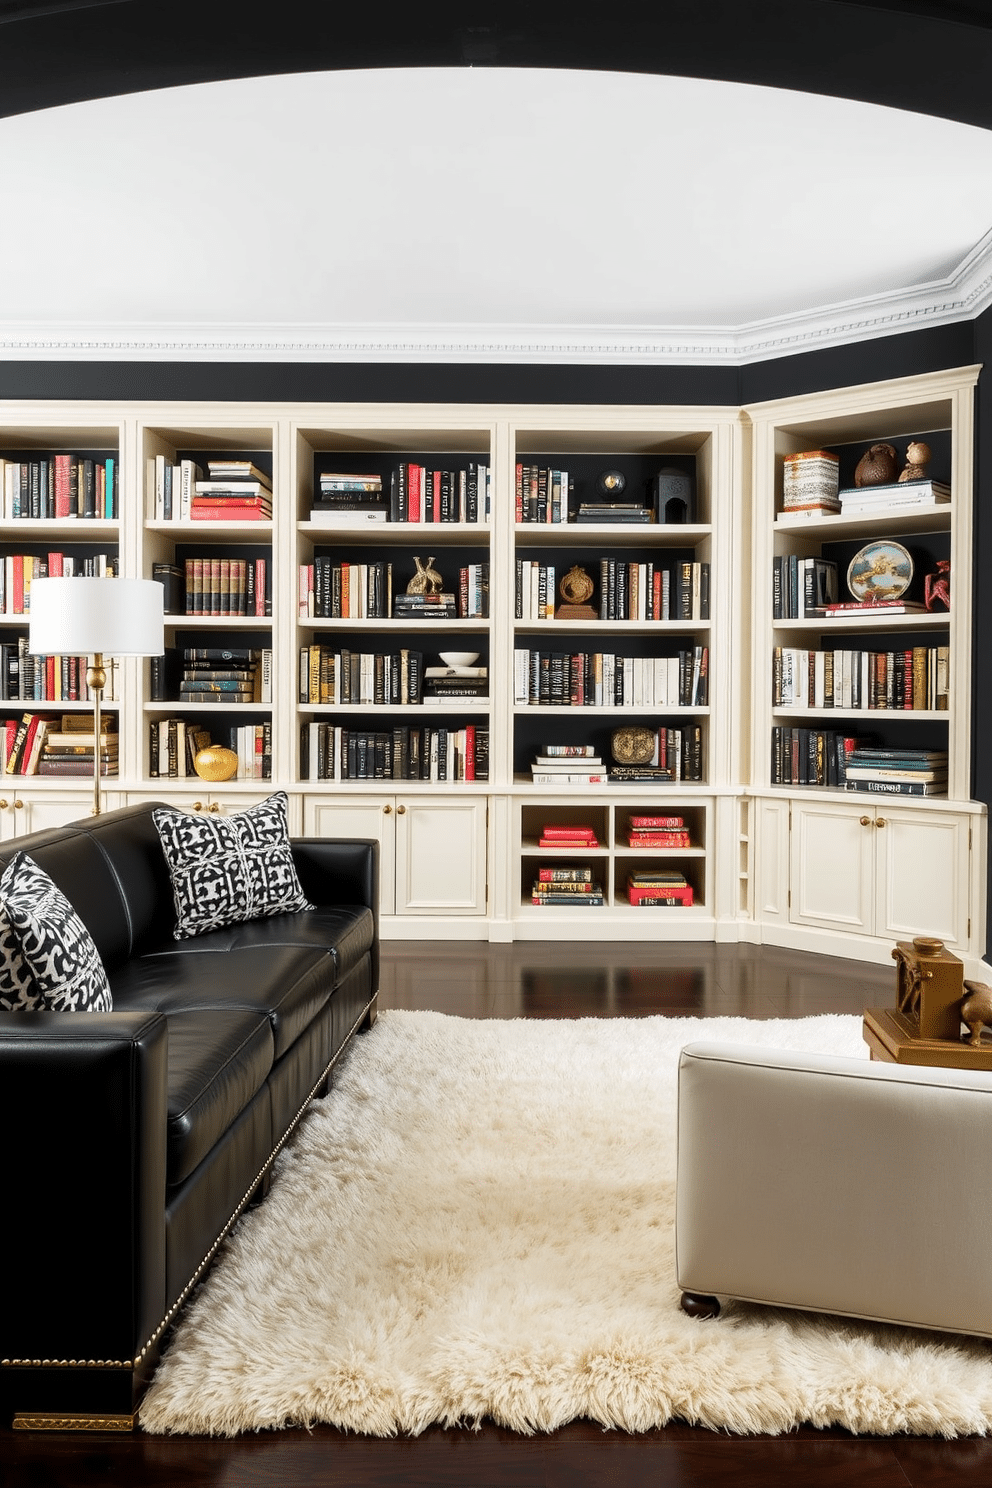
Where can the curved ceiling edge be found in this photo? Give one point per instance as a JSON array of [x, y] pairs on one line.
[[56, 53]]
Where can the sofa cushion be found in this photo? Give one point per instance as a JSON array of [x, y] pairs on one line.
[[219, 1059], [288, 985], [345, 932], [55, 946], [228, 869]]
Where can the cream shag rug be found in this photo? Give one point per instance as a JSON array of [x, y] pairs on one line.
[[477, 1222]]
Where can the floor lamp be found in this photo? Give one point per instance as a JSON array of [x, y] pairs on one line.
[[97, 618]]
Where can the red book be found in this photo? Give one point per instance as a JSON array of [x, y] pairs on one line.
[[660, 894], [657, 821], [229, 511], [415, 491], [575, 843], [63, 465], [551, 830]]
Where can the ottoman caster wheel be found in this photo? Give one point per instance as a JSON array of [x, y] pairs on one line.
[[696, 1305]]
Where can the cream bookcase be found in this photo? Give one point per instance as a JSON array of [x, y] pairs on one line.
[[851, 871], [459, 856]]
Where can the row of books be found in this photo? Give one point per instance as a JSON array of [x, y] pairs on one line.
[[540, 494], [390, 678], [218, 586], [173, 744], [60, 486], [908, 678], [18, 570], [331, 590], [606, 679], [802, 584], [37, 744], [627, 590], [416, 493], [828, 757], [28, 678], [233, 490], [443, 753]]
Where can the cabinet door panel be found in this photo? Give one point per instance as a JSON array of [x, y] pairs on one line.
[[832, 868], [441, 858], [923, 882], [359, 818]]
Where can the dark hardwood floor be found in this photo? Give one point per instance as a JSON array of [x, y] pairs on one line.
[[544, 980]]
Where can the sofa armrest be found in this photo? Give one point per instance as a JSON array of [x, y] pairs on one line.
[[835, 1184], [341, 870], [83, 1109]]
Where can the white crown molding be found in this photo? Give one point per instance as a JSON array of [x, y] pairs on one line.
[[963, 295]]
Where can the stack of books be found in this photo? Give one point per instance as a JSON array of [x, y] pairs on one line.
[[460, 684], [236, 491], [658, 887], [614, 511], [348, 500], [567, 764], [220, 675], [553, 834], [568, 886], [900, 496], [425, 607], [658, 831], [66, 748], [898, 772]]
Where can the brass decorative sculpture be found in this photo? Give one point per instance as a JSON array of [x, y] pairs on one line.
[[426, 580], [576, 589], [976, 1011]]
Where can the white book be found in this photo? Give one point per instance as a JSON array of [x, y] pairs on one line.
[[324, 518]]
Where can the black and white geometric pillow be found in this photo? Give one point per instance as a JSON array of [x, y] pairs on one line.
[[54, 944], [18, 990], [226, 870]]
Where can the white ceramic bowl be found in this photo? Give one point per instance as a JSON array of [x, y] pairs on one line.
[[459, 658]]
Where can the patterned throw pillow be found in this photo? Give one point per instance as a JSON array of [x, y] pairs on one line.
[[18, 991], [55, 948], [229, 869]]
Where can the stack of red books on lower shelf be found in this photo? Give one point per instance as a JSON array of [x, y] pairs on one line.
[[658, 831], [553, 835], [660, 887]]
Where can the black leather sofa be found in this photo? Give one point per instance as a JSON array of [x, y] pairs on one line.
[[135, 1138]]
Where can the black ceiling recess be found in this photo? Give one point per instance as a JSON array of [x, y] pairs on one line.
[[930, 57]]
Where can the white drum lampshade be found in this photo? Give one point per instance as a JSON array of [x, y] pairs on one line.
[[97, 618], [83, 617]]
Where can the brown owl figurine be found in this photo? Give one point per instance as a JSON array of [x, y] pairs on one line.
[[877, 467]]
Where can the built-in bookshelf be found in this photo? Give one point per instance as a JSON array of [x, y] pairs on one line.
[[401, 613], [862, 659]]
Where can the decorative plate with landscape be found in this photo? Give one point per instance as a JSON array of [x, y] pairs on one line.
[[880, 570]]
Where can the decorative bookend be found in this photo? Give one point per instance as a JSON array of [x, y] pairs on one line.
[[576, 590], [674, 496], [932, 1002]]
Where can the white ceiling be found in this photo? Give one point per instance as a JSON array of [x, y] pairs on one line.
[[484, 214]]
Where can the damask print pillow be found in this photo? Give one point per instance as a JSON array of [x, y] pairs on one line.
[[55, 947], [18, 991], [228, 869]]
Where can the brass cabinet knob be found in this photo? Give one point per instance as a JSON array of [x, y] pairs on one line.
[[4, 803], [18, 805], [880, 821], [401, 811], [386, 810], [197, 805], [214, 806], [866, 821]]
